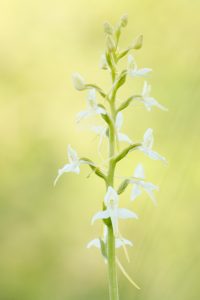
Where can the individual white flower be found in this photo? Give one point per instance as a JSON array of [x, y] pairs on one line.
[[119, 242], [93, 108], [147, 145], [148, 100], [112, 211], [133, 70], [73, 166], [78, 81], [118, 125], [140, 184], [101, 131]]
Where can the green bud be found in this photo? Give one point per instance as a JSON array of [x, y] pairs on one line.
[[108, 29], [137, 43], [78, 81], [124, 20], [103, 62], [110, 43], [103, 248], [123, 186]]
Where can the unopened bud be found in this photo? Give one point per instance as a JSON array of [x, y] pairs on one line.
[[137, 43], [124, 20], [108, 28], [103, 62], [78, 82], [123, 186], [131, 62], [110, 43]]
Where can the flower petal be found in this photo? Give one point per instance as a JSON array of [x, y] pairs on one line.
[[111, 195], [139, 72], [120, 242], [124, 138], [152, 196], [92, 95], [139, 172], [146, 89], [135, 192], [66, 169], [119, 121], [94, 243], [82, 115], [156, 156], [72, 154], [100, 215], [149, 102], [124, 213], [148, 138], [100, 111]]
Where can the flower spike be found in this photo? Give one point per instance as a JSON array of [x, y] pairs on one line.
[[110, 111]]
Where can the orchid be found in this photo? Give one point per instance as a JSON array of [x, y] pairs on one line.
[[147, 145], [73, 166], [133, 70], [139, 184], [110, 111], [149, 101], [93, 108], [101, 131], [119, 242], [118, 125], [112, 210]]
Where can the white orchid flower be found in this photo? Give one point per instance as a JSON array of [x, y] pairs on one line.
[[73, 166], [112, 211], [119, 242], [140, 184], [133, 70], [148, 100], [147, 145], [101, 131], [93, 108], [118, 125]]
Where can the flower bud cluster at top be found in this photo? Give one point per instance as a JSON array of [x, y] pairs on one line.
[[111, 114]]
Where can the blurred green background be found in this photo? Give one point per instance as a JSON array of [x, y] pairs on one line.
[[44, 230]]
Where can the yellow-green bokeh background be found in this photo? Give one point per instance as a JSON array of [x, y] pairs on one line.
[[43, 231]]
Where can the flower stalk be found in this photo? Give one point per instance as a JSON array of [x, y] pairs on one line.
[[110, 113]]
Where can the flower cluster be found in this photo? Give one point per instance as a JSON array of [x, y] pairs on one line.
[[111, 115]]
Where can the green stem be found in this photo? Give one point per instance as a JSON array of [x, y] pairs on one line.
[[112, 272], [112, 268]]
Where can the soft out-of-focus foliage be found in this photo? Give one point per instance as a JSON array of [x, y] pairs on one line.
[[44, 230]]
